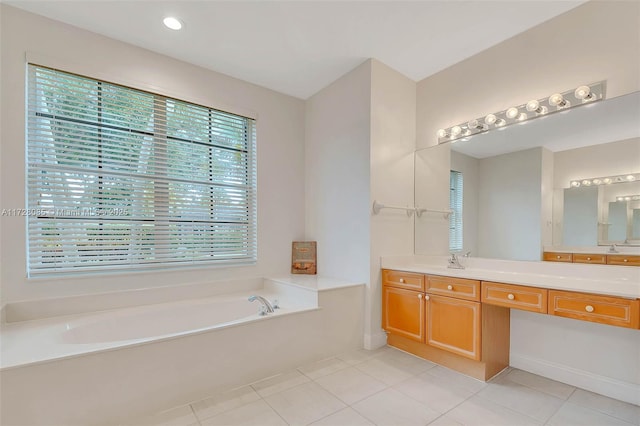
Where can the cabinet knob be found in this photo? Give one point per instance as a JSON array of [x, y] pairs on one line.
[[588, 308], [558, 257], [588, 258], [402, 280], [510, 296], [420, 296], [449, 287], [426, 297], [625, 260]]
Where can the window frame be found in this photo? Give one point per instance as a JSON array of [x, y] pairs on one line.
[[248, 160]]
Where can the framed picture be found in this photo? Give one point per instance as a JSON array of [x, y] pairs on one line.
[[303, 257]]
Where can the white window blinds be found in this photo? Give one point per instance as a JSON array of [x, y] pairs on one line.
[[455, 205], [120, 178]]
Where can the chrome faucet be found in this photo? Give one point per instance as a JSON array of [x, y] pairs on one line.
[[454, 263], [613, 249], [266, 305]]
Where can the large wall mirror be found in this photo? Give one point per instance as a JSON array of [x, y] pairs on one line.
[[510, 190]]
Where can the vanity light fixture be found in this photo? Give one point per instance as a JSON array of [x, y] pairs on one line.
[[635, 197], [563, 101], [631, 177]]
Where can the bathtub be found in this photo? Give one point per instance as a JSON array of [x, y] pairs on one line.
[[106, 367]]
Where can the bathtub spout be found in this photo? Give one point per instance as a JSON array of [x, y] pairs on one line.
[[267, 305]]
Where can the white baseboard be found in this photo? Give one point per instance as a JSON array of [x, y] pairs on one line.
[[613, 388], [375, 340]]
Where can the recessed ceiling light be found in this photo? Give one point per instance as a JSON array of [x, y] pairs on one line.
[[173, 23]]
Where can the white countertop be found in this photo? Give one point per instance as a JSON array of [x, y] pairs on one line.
[[622, 281], [315, 282], [621, 250]]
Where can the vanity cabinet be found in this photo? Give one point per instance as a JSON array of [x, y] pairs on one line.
[[454, 325], [595, 308], [442, 320], [598, 259], [403, 304], [403, 312]]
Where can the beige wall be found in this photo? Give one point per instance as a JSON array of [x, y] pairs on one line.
[[393, 116], [337, 174], [596, 41], [280, 129]]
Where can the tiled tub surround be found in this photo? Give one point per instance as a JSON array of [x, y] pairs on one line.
[[102, 367], [575, 352]]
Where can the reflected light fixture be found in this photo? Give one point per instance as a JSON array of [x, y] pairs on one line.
[[560, 101], [635, 197], [608, 180], [172, 23]]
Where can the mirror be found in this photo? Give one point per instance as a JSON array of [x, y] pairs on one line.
[[514, 193]]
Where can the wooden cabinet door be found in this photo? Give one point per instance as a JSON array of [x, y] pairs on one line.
[[454, 325], [403, 312]]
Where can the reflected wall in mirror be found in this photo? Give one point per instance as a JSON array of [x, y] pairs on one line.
[[516, 182]]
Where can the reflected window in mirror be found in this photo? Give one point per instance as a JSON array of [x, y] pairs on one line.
[[455, 205]]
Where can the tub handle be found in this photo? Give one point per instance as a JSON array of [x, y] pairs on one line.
[[275, 304], [263, 310]]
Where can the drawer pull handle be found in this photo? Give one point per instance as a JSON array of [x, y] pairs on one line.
[[402, 280], [588, 308], [510, 296], [449, 287]]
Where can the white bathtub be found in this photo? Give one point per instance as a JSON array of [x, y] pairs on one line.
[[174, 319], [106, 367]]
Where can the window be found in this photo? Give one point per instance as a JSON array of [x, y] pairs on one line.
[[455, 204], [120, 178]]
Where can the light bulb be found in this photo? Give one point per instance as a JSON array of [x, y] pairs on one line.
[[597, 181], [442, 133], [500, 122], [172, 23], [606, 181], [455, 131], [557, 100], [490, 119], [630, 178], [586, 182], [523, 116], [627, 198], [619, 198], [512, 112], [533, 105], [575, 183], [583, 93]]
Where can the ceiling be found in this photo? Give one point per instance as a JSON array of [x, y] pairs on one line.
[[299, 47]]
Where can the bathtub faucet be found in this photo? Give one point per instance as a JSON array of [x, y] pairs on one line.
[[268, 308]]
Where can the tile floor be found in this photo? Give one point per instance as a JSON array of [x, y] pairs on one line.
[[390, 387]]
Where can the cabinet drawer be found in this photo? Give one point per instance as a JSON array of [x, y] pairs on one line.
[[459, 288], [594, 308], [551, 256], [619, 259], [515, 296], [600, 259], [408, 280]]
